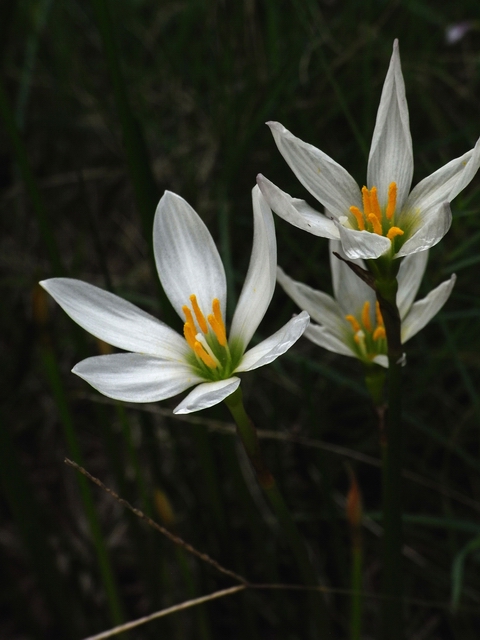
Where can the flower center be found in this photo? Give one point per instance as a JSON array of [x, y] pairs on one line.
[[369, 337], [372, 218], [207, 337]]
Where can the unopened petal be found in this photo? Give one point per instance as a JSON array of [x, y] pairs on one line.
[[409, 278], [296, 212], [187, 259], [391, 155], [133, 377], [424, 310], [429, 231], [259, 284], [115, 320], [321, 307], [207, 395], [276, 345], [326, 180], [322, 337]]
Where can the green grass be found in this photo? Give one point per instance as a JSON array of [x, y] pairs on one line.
[[103, 111]]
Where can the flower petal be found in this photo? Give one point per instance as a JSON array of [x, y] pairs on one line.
[[187, 259], [443, 185], [295, 211], [429, 232], [391, 155], [326, 180], [115, 320], [274, 346], [349, 290], [381, 360], [423, 311], [409, 278], [133, 377], [324, 338], [207, 395], [259, 284], [321, 307], [362, 244]]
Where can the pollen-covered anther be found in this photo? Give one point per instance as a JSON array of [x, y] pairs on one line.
[[376, 224], [392, 200], [379, 333], [205, 357], [366, 317], [358, 217], [393, 232], [189, 333], [354, 322], [215, 320], [202, 323]]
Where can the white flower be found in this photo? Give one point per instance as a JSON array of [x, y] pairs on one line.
[[385, 217], [351, 323], [162, 362]]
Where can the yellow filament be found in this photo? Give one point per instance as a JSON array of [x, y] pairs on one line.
[[367, 205], [366, 316], [379, 333], [204, 356], [377, 227], [358, 217], [202, 323], [354, 322], [393, 232], [378, 315], [189, 333], [392, 200]]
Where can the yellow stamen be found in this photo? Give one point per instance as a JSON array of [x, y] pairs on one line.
[[188, 315], [379, 333], [218, 329], [393, 232], [374, 203], [358, 217], [202, 323], [392, 200], [376, 224], [378, 315], [189, 333], [366, 316], [204, 356], [367, 205], [354, 322]]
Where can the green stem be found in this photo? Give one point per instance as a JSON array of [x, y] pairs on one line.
[[248, 435], [357, 564], [392, 450]]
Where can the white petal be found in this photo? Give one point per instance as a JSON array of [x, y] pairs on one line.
[[115, 320], [443, 185], [321, 307], [409, 278], [274, 346], [429, 232], [381, 360], [296, 212], [186, 256], [350, 291], [133, 377], [326, 180], [391, 155], [207, 395], [362, 244], [259, 284], [423, 311], [323, 338]]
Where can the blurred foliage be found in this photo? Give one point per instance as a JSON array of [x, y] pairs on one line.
[[106, 105]]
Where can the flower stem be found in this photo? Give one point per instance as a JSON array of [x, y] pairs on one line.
[[392, 454], [248, 435]]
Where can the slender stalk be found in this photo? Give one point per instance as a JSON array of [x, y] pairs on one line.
[[392, 453], [248, 435], [354, 519]]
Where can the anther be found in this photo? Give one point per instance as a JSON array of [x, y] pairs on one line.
[[204, 356], [378, 315], [379, 333], [367, 205], [375, 221], [354, 322], [218, 329], [189, 333], [366, 316], [202, 323], [358, 217], [393, 232], [375, 206], [392, 200], [188, 315]]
